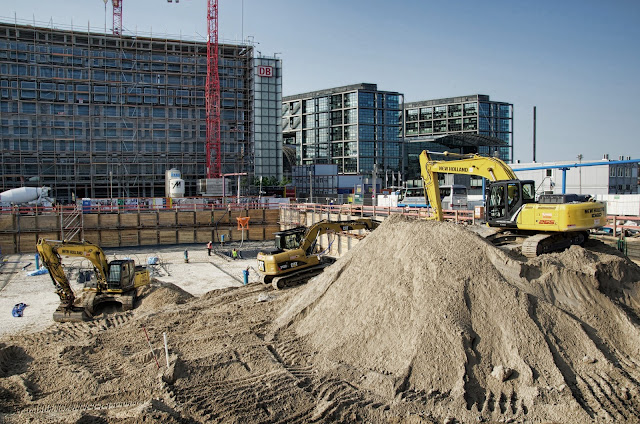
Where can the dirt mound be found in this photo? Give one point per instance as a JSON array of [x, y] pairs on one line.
[[160, 295], [432, 310]]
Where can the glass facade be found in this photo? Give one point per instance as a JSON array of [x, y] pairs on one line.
[[87, 113], [353, 127], [475, 114], [267, 117]]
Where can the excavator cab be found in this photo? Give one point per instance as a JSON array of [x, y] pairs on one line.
[[121, 275], [289, 239], [505, 199]]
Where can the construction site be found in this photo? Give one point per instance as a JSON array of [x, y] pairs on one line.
[[143, 293], [411, 321]]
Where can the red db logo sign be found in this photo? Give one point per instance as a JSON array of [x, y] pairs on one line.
[[265, 71]]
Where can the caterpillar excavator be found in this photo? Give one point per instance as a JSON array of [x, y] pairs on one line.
[[295, 260], [552, 223], [116, 281]]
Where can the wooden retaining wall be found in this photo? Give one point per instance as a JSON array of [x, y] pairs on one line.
[[336, 245], [19, 233]]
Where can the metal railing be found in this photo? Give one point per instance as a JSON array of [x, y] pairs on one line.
[[455, 215]]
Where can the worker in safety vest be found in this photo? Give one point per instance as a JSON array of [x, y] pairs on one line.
[[234, 253], [209, 247]]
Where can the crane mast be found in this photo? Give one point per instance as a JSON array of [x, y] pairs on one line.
[[117, 17], [212, 91]]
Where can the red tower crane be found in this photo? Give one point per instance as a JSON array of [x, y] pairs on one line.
[[117, 17], [212, 93]]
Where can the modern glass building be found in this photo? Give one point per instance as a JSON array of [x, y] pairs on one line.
[[267, 131], [429, 120], [90, 114], [354, 127]]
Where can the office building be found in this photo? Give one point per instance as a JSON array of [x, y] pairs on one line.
[[93, 115], [429, 120], [355, 127]]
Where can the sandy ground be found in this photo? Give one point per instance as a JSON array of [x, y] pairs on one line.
[[200, 275], [421, 322]]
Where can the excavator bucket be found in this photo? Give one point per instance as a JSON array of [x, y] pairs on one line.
[[66, 314]]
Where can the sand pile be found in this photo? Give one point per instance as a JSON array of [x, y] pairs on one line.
[[432, 310]]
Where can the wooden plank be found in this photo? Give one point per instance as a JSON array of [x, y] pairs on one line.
[[148, 237], [7, 222], [129, 238], [269, 230], [256, 233], [27, 223], [108, 220], [109, 238], [185, 218], [92, 237], [220, 217], [129, 220], [203, 236], [90, 220], [27, 242], [48, 222], [203, 218], [272, 215], [148, 219], [7, 244], [257, 215], [167, 219], [167, 236], [186, 236]]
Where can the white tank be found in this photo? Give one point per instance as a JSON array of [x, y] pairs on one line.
[[168, 176], [176, 187]]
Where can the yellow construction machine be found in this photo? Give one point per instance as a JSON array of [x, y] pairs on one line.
[[553, 222], [116, 281], [296, 259]]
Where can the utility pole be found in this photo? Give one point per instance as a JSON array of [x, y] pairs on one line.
[[534, 133], [580, 173], [310, 188]]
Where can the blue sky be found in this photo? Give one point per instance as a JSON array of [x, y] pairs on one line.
[[577, 61]]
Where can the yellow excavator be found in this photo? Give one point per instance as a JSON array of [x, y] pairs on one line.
[[295, 259], [116, 281], [552, 223]]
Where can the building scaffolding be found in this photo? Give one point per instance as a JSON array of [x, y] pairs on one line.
[[90, 114]]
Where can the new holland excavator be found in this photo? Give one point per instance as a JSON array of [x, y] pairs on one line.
[[116, 281], [553, 223], [295, 260]]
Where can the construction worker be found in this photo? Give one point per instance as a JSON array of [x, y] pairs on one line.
[[234, 253], [209, 247]]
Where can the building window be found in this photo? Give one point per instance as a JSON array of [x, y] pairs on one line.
[[455, 111], [426, 113], [412, 115]]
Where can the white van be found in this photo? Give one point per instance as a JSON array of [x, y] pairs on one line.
[[451, 196], [454, 196]]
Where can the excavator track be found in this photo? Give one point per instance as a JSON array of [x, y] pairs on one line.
[[551, 242], [295, 279]]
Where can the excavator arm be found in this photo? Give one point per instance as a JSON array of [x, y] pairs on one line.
[[323, 227], [490, 168], [51, 251]]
